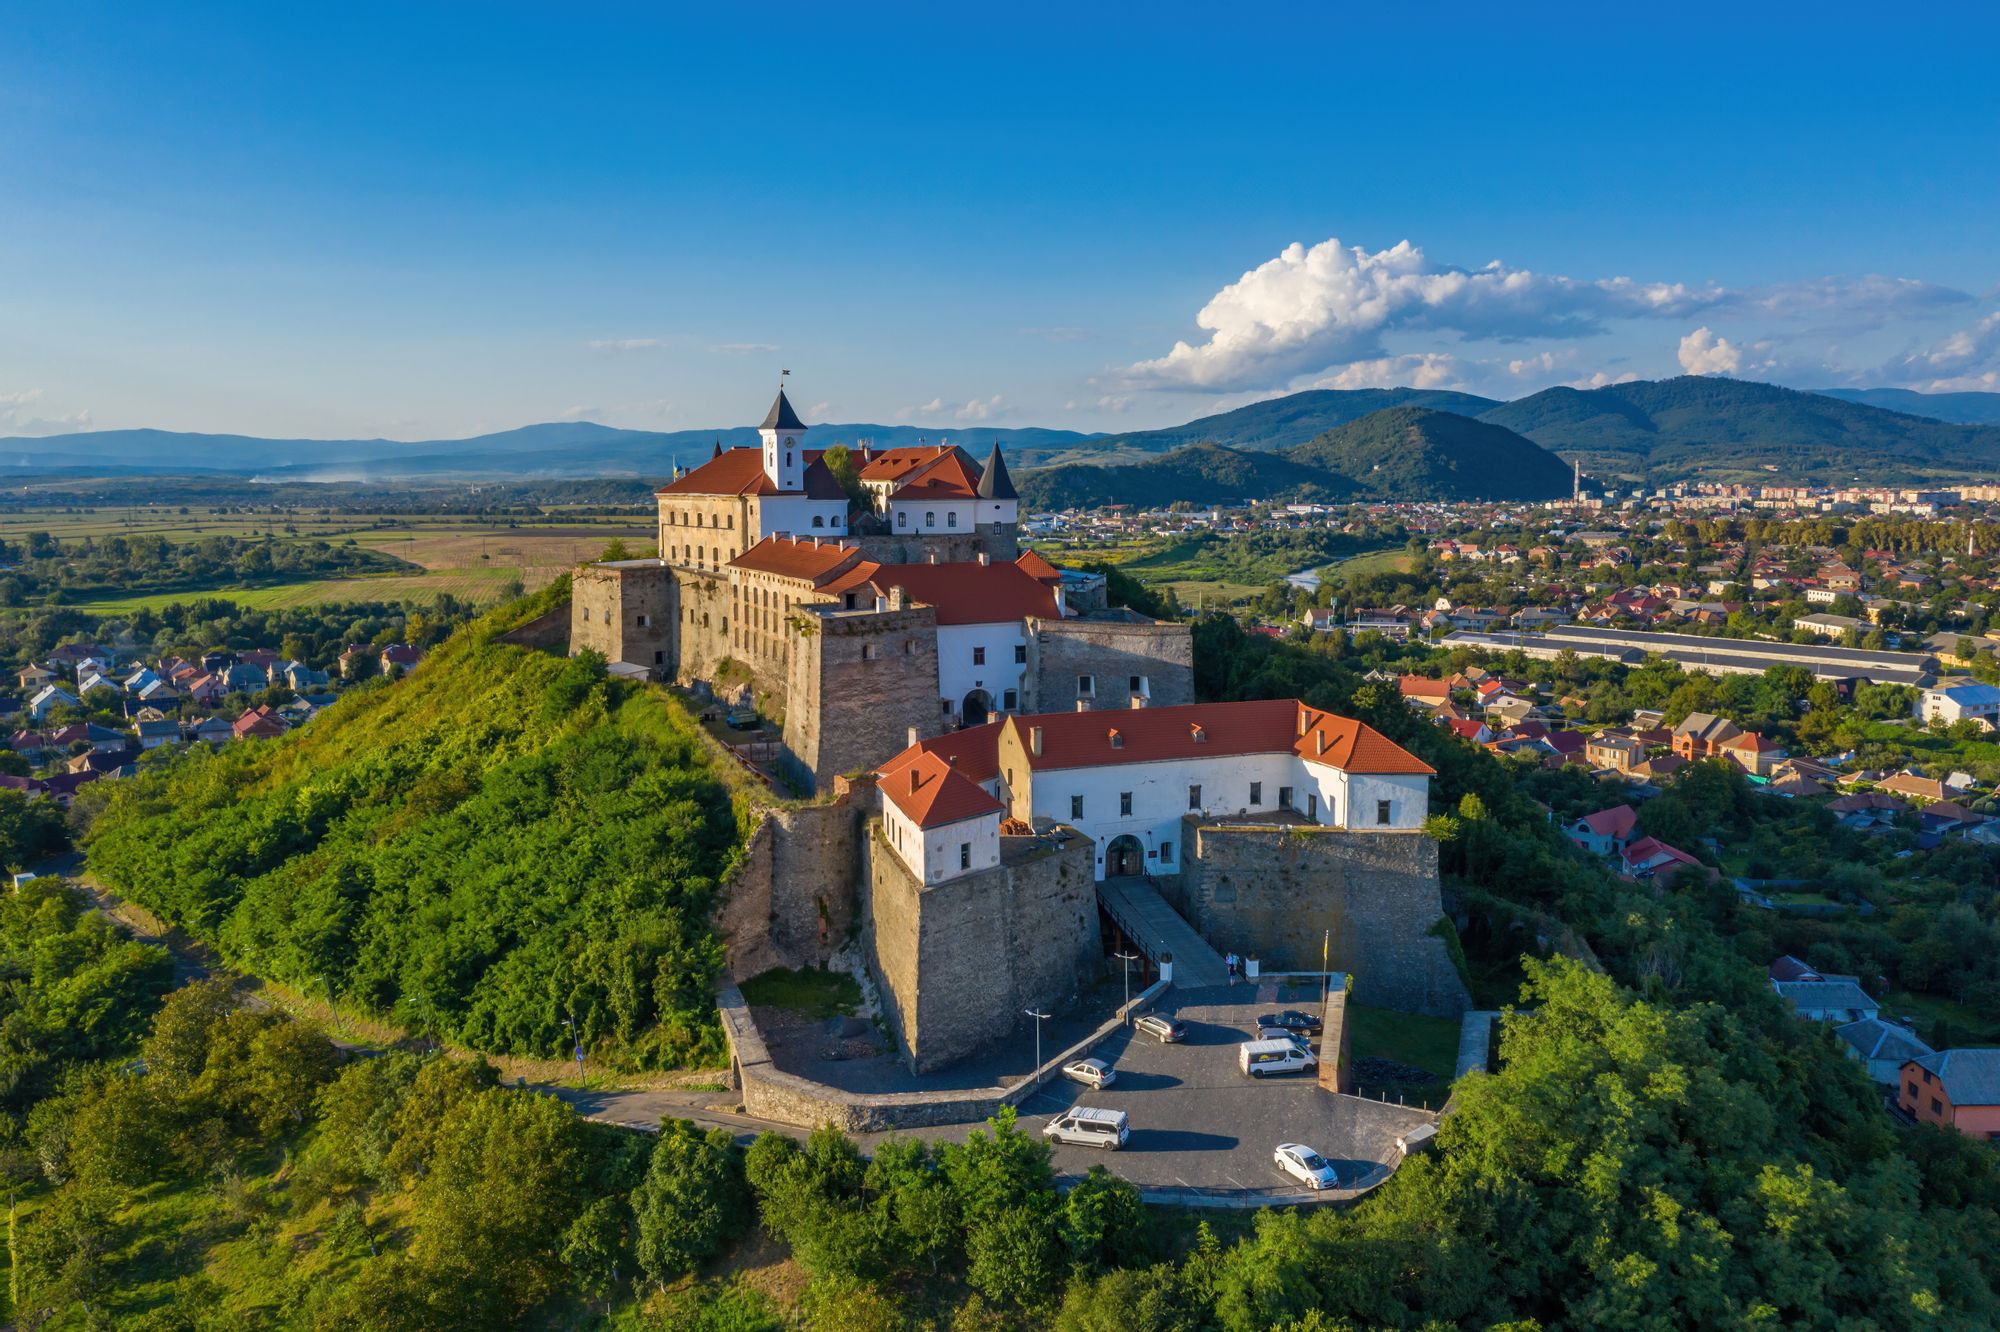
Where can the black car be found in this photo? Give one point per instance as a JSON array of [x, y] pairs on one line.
[[1302, 1024]]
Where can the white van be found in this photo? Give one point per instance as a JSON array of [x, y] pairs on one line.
[[1088, 1126], [1260, 1059]]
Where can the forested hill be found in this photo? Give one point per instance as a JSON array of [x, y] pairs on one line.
[[500, 840], [1402, 453], [1278, 423], [1409, 453], [1731, 429]]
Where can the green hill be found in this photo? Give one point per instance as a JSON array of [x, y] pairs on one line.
[[500, 841], [1732, 429], [1202, 474], [1279, 423], [1409, 453]]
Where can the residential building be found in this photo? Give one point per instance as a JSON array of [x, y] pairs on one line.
[[1957, 1089], [1701, 735], [1614, 751], [1960, 700], [1882, 1047], [1607, 832], [1827, 998]]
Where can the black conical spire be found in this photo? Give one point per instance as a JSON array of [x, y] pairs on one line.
[[782, 417], [994, 483]]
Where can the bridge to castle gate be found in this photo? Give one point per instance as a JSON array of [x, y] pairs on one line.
[[1155, 928]]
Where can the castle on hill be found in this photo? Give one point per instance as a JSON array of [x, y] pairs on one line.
[[867, 621]]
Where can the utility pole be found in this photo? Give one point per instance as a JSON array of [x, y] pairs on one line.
[[577, 1036], [1038, 1016], [1128, 959]]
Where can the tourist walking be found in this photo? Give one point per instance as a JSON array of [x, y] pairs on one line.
[[1230, 961]]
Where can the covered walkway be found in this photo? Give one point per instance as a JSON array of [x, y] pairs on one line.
[[1155, 928]]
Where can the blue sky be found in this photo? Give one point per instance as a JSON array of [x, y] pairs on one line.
[[422, 221]]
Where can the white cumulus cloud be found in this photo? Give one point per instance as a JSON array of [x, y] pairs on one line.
[[980, 409], [1424, 370], [18, 416], [1967, 360], [1704, 352], [1311, 309]]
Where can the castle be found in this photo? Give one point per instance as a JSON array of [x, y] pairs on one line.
[[863, 620], [1003, 749]]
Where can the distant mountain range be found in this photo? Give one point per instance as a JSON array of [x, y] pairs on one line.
[[1399, 453], [1645, 432], [554, 449]]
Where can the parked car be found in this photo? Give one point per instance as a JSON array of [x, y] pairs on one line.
[[1280, 1034], [1307, 1166], [1090, 1072], [1089, 1126], [1303, 1024], [1161, 1028], [1261, 1059]]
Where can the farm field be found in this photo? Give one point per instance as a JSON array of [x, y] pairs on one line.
[[1374, 562], [468, 557]]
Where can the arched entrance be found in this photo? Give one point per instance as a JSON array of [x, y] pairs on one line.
[[1125, 856], [976, 708]]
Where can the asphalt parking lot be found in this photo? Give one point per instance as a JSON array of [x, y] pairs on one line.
[[1197, 1123]]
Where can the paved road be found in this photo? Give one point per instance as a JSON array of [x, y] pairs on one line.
[[1202, 1133]]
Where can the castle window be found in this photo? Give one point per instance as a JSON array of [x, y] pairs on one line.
[[645, 622], [930, 519], [1020, 654], [818, 521], [1076, 806], [850, 601], [1166, 853], [1284, 797], [725, 624], [1125, 803], [965, 855], [909, 647], [1138, 685], [1085, 686], [902, 518], [979, 656], [944, 706], [586, 615], [951, 519], [1382, 812], [1256, 794], [659, 658], [1194, 797], [867, 652], [1010, 700]]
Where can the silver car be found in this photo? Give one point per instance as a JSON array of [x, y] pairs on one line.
[[1306, 1166], [1090, 1072]]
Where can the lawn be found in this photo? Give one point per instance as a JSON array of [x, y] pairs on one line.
[[813, 992], [1967, 1026], [1429, 1043], [1374, 562]]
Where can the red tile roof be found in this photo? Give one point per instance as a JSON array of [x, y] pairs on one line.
[[931, 793], [962, 593], [895, 464], [1038, 568], [1618, 821], [1211, 730], [1419, 686], [741, 472], [807, 558], [975, 752], [948, 478]]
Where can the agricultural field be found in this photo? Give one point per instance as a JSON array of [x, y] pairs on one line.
[[471, 557], [1221, 572]]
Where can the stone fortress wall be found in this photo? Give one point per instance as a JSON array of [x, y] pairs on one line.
[[960, 962], [1273, 892], [860, 682], [791, 900], [624, 610], [1111, 648]]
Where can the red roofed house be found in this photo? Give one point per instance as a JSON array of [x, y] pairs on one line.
[[1127, 779], [938, 820], [1649, 856], [1606, 832], [1423, 692], [1755, 754], [259, 723]]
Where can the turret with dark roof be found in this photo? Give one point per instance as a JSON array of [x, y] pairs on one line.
[[994, 483], [781, 416]]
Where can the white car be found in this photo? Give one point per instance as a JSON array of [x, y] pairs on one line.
[[1090, 1072], [1307, 1166]]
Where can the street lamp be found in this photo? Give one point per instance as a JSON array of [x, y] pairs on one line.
[[1038, 1016], [1128, 959], [577, 1037]]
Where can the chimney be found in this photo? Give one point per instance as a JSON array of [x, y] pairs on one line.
[[911, 737], [931, 558], [982, 557], [1322, 741], [1304, 720], [1083, 705], [915, 780], [1139, 701], [1035, 741]]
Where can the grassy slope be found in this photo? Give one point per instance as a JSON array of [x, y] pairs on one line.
[[455, 846]]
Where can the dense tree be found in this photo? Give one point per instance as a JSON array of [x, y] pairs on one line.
[[691, 1201]]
